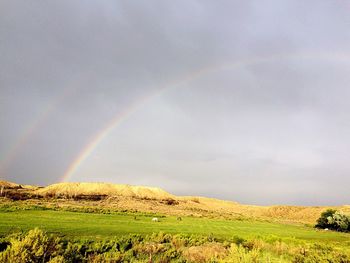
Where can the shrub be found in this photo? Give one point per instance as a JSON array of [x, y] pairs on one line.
[[205, 253], [114, 257], [124, 244], [340, 222], [170, 201], [334, 220], [320, 253], [238, 254], [322, 222], [36, 246]]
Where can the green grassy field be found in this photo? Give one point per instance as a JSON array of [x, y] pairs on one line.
[[98, 237], [100, 226]]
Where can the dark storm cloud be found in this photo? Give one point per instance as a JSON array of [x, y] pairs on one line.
[[274, 131]]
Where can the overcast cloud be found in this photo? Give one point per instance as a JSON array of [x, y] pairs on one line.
[[272, 129]]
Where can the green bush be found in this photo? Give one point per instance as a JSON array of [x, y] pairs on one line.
[[322, 222], [334, 220], [36, 246], [320, 253]]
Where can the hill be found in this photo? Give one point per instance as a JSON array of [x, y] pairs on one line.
[[8, 185], [75, 189], [118, 197]]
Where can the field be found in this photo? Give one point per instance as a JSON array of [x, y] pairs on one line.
[[254, 236], [102, 226], [75, 222]]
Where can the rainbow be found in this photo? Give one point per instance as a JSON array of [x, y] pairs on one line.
[[135, 106], [37, 123]]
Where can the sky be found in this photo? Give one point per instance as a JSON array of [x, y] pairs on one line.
[[239, 100]]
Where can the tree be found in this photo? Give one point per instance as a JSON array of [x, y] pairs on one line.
[[334, 220], [322, 222]]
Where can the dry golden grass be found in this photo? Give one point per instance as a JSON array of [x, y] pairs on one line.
[[73, 189], [6, 184], [205, 252], [10, 185]]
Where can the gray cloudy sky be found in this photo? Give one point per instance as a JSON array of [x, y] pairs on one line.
[[272, 129]]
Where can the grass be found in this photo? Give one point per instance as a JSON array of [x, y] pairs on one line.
[[122, 230], [100, 237], [103, 226]]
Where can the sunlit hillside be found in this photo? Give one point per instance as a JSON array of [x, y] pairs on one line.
[[152, 199]]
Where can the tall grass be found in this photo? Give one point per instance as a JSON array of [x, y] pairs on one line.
[[38, 246]]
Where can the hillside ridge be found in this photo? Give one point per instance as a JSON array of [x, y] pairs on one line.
[[123, 197], [109, 189]]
